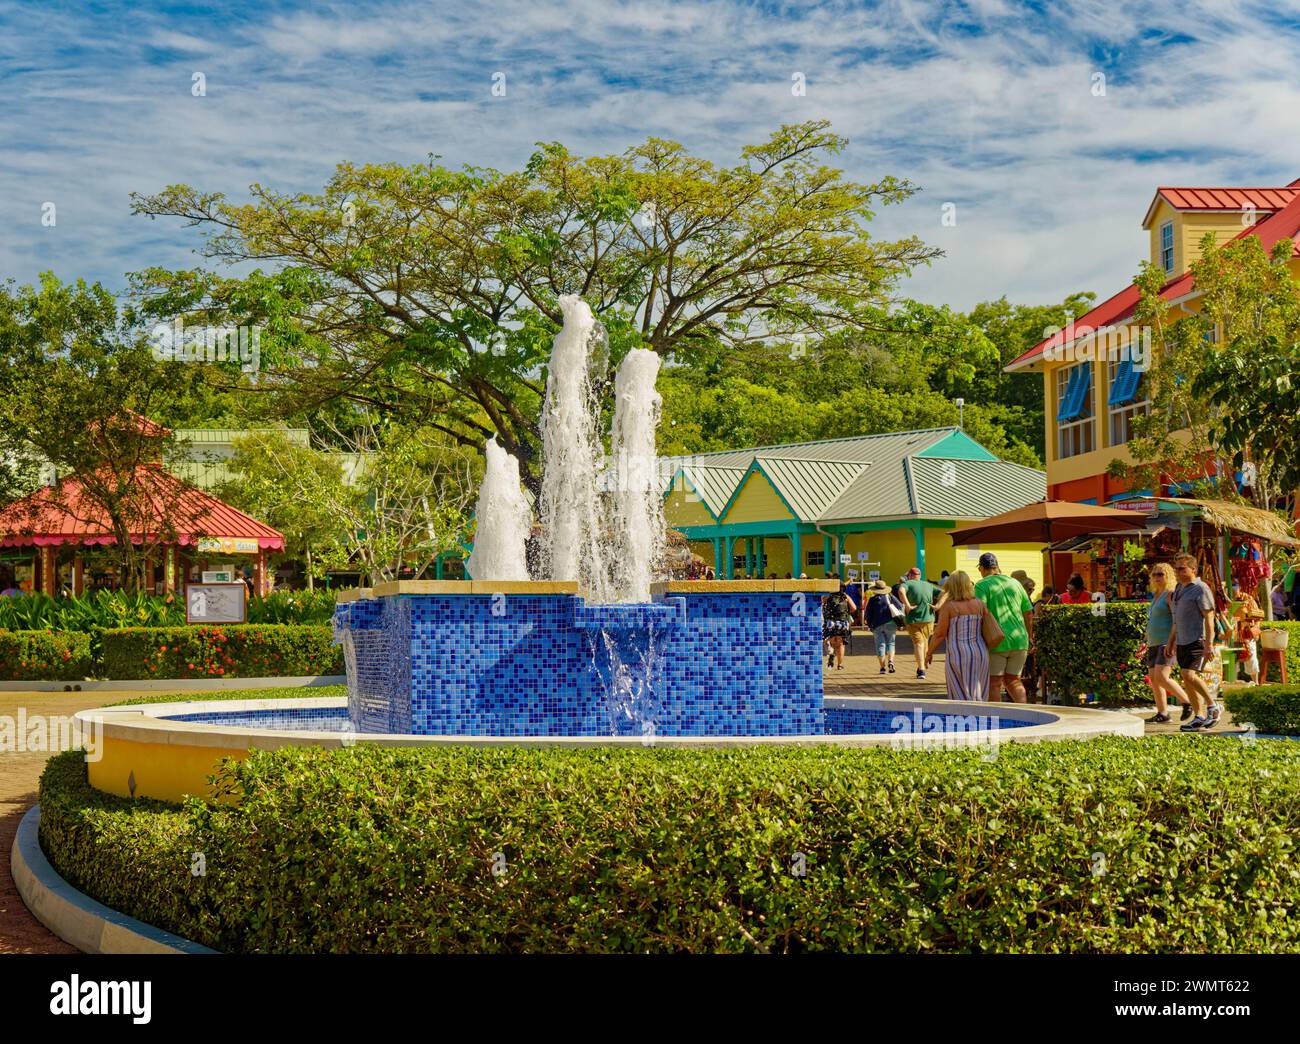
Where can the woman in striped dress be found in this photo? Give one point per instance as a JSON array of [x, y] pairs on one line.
[[966, 661]]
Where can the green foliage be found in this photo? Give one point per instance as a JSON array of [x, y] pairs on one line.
[[1094, 649], [1272, 709], [44, 656], [631, 850], [238, 651], [292, 607]]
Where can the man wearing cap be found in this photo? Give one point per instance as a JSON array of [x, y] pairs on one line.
[[920, 598], [1010, 606]]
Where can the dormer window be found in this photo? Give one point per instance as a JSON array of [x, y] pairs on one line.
[[1167, 247]]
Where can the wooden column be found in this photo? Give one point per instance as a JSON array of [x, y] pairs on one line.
[[47, 570], [259, 574]]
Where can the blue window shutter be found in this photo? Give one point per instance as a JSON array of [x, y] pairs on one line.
[[1085, 384], [1065, 411], [1120, 391]]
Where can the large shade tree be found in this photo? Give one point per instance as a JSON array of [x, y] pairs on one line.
[[432, 293]]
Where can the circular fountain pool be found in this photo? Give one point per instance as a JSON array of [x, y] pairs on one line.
[[168, 750]]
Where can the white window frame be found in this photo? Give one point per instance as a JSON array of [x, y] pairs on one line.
[[1076, 437], [1167, 250], [1120, 418]]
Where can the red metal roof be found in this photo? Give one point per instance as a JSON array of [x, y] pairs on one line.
[[1280, 225], [1228, 198], [61, 515]]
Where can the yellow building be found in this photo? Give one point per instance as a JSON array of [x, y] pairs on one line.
[[1091, 390], [885, 502]]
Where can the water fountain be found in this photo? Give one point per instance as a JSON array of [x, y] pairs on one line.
[[598, 644]]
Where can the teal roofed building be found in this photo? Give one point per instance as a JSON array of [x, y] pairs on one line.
[[886, 501]]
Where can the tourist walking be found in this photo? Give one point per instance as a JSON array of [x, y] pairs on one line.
[[1010, 605], [883, 613], [1192, 640], [920, 600], [961, 624], [837, 624], [1160, 625]]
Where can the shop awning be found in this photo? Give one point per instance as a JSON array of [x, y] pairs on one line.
[[1241, 518], [162, 504]]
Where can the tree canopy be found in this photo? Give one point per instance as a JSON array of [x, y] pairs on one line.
[[432, 294]]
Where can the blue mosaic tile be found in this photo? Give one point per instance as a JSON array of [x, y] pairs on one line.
[[698, 664]]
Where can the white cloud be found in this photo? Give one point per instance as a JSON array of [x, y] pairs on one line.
[[981, 103]]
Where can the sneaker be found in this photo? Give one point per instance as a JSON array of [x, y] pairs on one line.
[[882, 670], [830, 660], [921, 675], [891, 669], [1158, 719], [1195, 725], [1187, 712], [1216, 712]]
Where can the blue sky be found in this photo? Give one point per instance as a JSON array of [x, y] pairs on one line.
[[988, 104]]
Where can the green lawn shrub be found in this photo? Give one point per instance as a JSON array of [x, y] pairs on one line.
[[1094, 649], [221, 651], [45, 656], [1113, 845]]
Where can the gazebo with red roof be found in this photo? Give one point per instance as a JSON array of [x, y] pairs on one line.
[[195, 523]]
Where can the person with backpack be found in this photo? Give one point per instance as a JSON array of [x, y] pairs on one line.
[[837, 624], [884, 613]]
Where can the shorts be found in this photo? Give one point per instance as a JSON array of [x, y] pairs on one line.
[[1156, 656], [1191, 655], [1011, 662], [885, 636], [921, 630]]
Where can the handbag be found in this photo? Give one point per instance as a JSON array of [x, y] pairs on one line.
[[991, 631], [895, 610]]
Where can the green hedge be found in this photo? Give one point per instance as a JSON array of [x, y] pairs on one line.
[[1094, 649], [1159, 845], [45, 656], [234, 651], [1292, 649], [106, 609], [1273, 709]]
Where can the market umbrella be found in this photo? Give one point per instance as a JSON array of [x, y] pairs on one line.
[[1045, 522]]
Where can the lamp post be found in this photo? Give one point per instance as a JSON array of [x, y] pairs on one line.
[[961, 413]]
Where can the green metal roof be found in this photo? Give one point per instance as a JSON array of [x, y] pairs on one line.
[[935, 473]]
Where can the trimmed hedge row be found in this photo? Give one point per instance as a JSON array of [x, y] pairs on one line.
[[1272, 709], [1094, 649], [224, 651], [1111, 845], [44, 656]]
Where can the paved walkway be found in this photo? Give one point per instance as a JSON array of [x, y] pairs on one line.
[[20, 773]]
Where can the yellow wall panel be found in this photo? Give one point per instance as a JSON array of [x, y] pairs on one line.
[[684, 508], [758, 501]]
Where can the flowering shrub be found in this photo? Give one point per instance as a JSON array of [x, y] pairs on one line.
[[1094, 649], [45, 656], [220, 651]]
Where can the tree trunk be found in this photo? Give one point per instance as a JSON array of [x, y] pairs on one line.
[[311, 578]]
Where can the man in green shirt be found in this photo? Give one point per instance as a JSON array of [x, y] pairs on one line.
[[1008, 603], [920, 598]]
